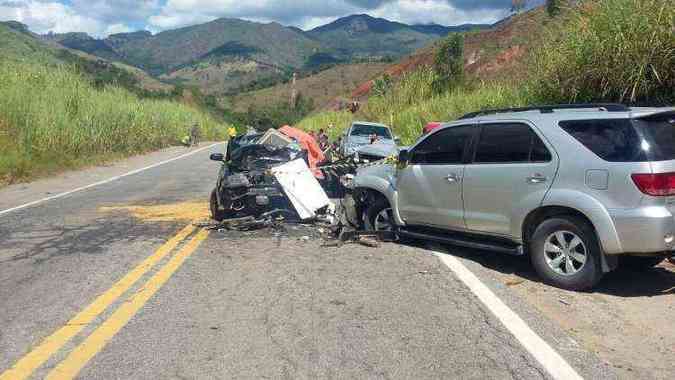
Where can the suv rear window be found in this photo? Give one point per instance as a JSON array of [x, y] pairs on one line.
[[659, 132], [613, 140], [627, 140]]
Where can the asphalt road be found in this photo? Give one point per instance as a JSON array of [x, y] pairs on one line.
[[111, 283]]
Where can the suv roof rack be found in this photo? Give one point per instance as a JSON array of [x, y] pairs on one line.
[[609, 107]]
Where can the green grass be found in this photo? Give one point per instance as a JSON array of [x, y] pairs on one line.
[[610, 50], [340, 120], [51, 118]]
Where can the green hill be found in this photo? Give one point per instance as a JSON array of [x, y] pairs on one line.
[[18, 44], [363, 36], [272, 44], [227, 55], [61, 110]]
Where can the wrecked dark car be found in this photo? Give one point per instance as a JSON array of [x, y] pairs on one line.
[[245, 185]]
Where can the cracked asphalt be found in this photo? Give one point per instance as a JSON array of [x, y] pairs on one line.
[[242, 306]]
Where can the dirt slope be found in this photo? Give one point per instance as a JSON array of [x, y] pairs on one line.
[[489, 54]]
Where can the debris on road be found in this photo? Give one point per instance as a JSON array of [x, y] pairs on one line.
[[514, 282], [301, 188]]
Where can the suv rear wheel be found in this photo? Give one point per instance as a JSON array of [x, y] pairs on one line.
[[565, 252]]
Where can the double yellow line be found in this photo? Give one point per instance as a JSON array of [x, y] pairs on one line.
[[96, 341]]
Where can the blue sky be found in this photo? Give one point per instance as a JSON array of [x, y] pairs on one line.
[[103, 17]]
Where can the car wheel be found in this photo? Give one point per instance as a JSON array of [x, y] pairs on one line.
[[216, 214], [379, 216], [640, 263], [565, 252]]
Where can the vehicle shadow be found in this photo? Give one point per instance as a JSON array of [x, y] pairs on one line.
[[623, 282]]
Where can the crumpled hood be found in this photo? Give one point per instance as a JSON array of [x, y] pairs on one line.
[[383, 148]]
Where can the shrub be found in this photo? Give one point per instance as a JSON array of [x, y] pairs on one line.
[[449, 62]]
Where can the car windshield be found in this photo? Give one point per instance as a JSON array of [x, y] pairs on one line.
[[369, 130]]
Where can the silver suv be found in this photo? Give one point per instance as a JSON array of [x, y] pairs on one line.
[[575, 187]]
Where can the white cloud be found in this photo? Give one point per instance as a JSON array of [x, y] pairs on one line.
[[178, 13], [117, 28], [102, 17], [117, 11], [435, 11], [46, 16]]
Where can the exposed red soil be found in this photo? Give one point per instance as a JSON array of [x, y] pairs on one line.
[[488, 53]]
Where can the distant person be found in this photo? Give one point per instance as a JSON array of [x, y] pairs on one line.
[[195, 135], [323, 140], [314, 136]]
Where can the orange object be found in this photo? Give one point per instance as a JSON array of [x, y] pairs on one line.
[[308, 143]]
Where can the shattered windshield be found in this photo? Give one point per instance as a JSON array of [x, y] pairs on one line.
[[369, 130]]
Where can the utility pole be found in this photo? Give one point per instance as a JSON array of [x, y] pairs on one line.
[[294, 91]]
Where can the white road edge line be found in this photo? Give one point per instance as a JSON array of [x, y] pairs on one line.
[[552, 362], [133, 172]]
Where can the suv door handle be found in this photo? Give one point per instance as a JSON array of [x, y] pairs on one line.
[[537, 178], [452, 178]]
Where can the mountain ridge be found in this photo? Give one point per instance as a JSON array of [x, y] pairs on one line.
[[227, 53]]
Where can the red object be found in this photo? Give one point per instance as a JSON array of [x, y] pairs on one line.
[[431, 127], [308, 143], [658, 185]]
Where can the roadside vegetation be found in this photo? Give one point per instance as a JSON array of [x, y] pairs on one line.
[[53, 118], [601, 51]]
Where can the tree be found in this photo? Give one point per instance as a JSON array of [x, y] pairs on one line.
[[449, 61], [382, 85], [552, 7]]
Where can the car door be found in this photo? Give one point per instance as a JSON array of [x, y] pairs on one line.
[[512, 168], [430, 186]]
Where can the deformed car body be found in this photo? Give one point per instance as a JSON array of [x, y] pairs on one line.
[[575, 187], [245, 185], [371, 141]]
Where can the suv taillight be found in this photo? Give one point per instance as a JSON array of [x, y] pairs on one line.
[[658, 185]]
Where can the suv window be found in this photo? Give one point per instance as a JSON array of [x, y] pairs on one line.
[[445, 147], [659, 132], [613, 140], [510, 143]]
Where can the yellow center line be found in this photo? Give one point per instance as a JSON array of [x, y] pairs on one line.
[[97, 340], [24, 368]]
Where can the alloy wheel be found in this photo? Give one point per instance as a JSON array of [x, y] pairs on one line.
[[565, 253]]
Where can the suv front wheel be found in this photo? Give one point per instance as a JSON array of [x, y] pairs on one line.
[[565, 252], [379, 217]]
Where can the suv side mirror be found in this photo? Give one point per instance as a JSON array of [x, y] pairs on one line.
[[218, 157], [403, 157]]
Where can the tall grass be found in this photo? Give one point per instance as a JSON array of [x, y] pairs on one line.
[[610, 50], [322, 120], [52, 118], [412, 103]]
